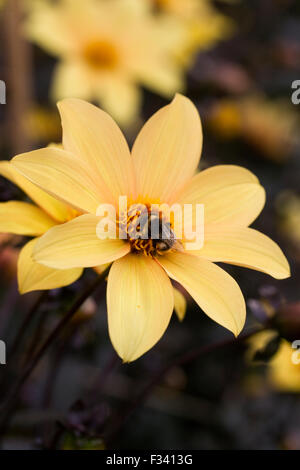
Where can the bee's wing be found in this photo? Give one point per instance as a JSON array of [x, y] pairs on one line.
[[166, 232], [155, 227], [177, 246]]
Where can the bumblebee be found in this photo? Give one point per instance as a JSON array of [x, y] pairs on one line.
[[153, 227]]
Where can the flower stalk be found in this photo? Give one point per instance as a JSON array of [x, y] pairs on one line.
[[8, 407]]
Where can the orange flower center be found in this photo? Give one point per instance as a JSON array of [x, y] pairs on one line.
[[101, 55], [161, 3], [147, 231]]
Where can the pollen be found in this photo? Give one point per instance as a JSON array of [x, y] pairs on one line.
[[101, 55], [148, 232]]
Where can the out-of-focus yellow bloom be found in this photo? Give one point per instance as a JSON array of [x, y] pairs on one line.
[[282, 373], [97, 167], [270, 126], [202, 23], [226, 119], [106, 50], [42, 125], [288, 209]]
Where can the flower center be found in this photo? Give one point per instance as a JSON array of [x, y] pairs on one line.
[[101, 55], [148, 232], [161, 4]]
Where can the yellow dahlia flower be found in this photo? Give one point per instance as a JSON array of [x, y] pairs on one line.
[[106, 50], [96, 167]]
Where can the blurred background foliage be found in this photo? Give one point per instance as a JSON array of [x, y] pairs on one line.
[[236, 60]]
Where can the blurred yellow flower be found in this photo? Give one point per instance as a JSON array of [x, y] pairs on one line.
[[226, 119], [270, 126], [288, 209], [202, 23], [42, 124], [97, 167], [106, 50], [282, 371]]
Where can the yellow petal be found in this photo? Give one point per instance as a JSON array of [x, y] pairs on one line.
[[179, 304], [121, 98], [49, 26], [93, 136], [155, 69], [33, 276], [23, 218], [161, 77], [230, 194], [71, 80], [63, 176], [245, 247], [56, 209], [75, 244], [139, 303], [217, 293], [167, 150]]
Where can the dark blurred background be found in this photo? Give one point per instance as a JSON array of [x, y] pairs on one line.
[[80, 395]]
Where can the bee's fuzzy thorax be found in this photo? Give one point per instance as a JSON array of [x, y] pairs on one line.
[[147, 231]]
